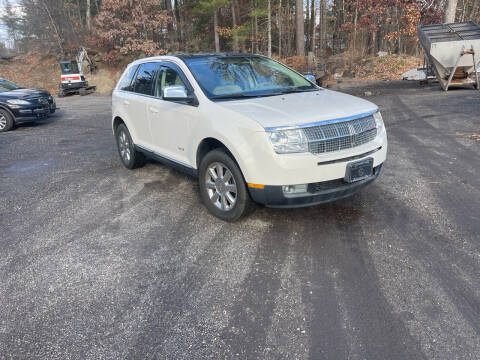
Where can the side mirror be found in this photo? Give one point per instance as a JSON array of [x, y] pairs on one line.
[[310, 77], [177, 93]]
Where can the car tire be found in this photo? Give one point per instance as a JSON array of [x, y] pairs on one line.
[[82, 92], [224, 204], [6, 121], [130, 157]]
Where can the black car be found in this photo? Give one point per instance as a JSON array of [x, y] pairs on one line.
[[19, 105]]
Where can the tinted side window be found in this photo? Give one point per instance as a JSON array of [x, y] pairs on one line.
[[167, 77], [146, 78], [126, 80]]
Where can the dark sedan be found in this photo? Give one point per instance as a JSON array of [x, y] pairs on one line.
[[19, 105]]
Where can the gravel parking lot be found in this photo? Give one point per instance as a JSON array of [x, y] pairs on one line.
[[98, 262]]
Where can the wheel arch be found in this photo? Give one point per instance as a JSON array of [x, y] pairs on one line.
[[116, 122], [208, 144], [3, 107]]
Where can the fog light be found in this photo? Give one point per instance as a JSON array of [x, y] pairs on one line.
[[294, 189]]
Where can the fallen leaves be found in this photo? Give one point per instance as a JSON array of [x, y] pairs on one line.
[[473, 136]]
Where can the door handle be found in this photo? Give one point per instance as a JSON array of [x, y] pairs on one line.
[[153, 110], [126, 102]]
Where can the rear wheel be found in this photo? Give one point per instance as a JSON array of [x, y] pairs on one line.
[[222, 187], [6, 121], [131, 158]]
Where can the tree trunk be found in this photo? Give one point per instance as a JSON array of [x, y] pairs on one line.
[[474, 11], [59, 40], [323, 27], [234, 23], [355, 29], [180, 22], [450, 11], [300, 28], [314, 27], [269, 29], [256, 30], [215, 25], [88, 15], [279, 25]]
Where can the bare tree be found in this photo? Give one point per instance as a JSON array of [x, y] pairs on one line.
[[300, 28], [234, 24], [323, 27], [314, 25], [450, 11], [269, 29], [88, 15], [279, 26], [215, 30]]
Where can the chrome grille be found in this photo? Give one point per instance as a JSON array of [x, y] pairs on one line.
[[340, 136]]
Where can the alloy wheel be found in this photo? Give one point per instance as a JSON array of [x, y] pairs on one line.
[[221, 186], [124, 146], [3, 122]]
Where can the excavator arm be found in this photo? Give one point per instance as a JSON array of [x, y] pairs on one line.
[[83, 55]]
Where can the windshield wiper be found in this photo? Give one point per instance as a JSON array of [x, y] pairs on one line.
[[234, 96], [296, 90]]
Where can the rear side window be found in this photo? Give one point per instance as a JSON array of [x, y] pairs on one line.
[[145, 79], [125, 83]]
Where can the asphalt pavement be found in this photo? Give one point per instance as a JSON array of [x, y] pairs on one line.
[[99, 262]]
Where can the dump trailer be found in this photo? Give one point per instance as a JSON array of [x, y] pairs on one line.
[[453, 52]]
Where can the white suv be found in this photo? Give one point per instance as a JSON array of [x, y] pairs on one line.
[[250, 128]]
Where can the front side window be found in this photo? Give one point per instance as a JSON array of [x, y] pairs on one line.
[[167, 77], [244, 76], [145, 79], [125, 82]]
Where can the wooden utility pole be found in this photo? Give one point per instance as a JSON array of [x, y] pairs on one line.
[[450, 11], [300, 28]]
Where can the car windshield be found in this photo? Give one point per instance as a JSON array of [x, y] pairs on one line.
[[6, 85], [245, 76]]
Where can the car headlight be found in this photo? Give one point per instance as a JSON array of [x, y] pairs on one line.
[[288, 141], [18, 102], [378, 120]]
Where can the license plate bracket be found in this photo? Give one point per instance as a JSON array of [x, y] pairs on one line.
[[359, 170]]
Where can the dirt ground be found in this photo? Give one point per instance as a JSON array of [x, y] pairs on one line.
[[99, 262]]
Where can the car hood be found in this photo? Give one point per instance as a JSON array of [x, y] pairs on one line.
[[24, 93], [299, 108]]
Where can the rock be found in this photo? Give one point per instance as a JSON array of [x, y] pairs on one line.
[[382, 53], [368, 93]]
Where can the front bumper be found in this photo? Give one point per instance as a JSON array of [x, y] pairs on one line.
[[318, 193], [29, 113]]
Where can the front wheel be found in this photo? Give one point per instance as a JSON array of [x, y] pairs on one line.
[[130, 157], [222, 187], [6, 121]]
